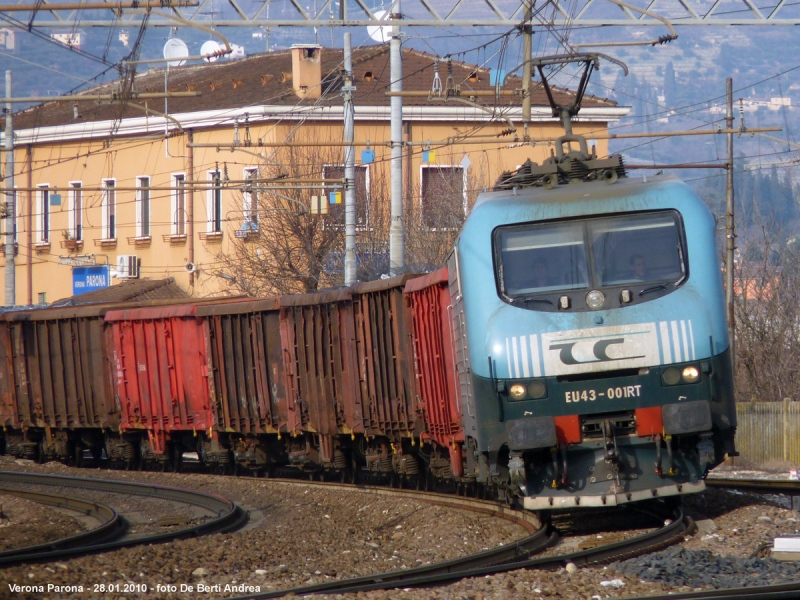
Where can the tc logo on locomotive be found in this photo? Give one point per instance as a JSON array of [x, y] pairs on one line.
[[597, 349], [600, 349]]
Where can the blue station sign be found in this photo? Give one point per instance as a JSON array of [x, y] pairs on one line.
[[89, 279]]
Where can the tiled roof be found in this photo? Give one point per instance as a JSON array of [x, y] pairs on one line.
[[258, 80], [134, 290]]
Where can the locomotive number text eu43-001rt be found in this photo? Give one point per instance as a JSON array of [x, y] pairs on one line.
[[627, 391]]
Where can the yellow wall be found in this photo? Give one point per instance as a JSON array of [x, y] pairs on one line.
[[124, 159]]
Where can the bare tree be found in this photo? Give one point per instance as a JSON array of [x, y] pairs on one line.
[[436, 211], [767, 311], [282, 247]]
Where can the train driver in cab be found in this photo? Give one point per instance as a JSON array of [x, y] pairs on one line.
[[540, 275], [638, 268]]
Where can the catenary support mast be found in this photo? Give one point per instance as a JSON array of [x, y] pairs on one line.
[[350, 270], [10, 209], [396, 229], [730, 239]]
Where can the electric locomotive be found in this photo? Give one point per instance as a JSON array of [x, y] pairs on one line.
[[592, 308]]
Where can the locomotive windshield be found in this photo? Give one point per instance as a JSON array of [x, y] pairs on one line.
[[541, 258], [636, 248], [636, 251]]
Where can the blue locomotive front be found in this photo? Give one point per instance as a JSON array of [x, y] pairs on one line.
[[596, 369]]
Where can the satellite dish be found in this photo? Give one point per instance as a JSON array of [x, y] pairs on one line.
[[209, 50], [176, 51], [191, 268], [380, 33]]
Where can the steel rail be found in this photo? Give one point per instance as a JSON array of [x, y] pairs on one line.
[[762, 485], [440, 573], [783, 591], [230, 516], [112, 526]]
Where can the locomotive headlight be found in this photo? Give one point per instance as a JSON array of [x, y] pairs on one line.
[[537, 389], [671, 376], [517, 391], [690, 374], [595, 299]]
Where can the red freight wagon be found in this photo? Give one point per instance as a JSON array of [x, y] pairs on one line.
[[318, 338], [161, 373], [55, 378], [428, 298]]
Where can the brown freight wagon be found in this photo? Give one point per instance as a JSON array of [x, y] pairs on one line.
[[384, 347], [318, 338], [56, 388], [247, 379]]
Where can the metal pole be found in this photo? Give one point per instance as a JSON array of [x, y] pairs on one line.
[[396, 229], [527, 30], [29, 222], [11, 291], [729, 225], [350, 267], [189, 200]]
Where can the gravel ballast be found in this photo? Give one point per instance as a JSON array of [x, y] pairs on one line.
[[28, 523], [301, 535]]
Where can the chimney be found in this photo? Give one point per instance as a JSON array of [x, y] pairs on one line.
[[307, 70]]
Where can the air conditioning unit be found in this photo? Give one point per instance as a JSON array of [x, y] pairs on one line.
[[127, 266]]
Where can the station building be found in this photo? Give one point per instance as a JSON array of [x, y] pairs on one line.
[[160, 188]]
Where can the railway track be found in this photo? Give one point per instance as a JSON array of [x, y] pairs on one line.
[[778, 486], [771, 592], [518, 555], [788, 591], [498, 560], [109, 536], [111, 526]]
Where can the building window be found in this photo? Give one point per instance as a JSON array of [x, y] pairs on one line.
[[44, 212], [250, 199], [444, 196], [76, 210], [109, 202], [336, 211], [179, 204], [143, 206], [214, 207], [42, 298]]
